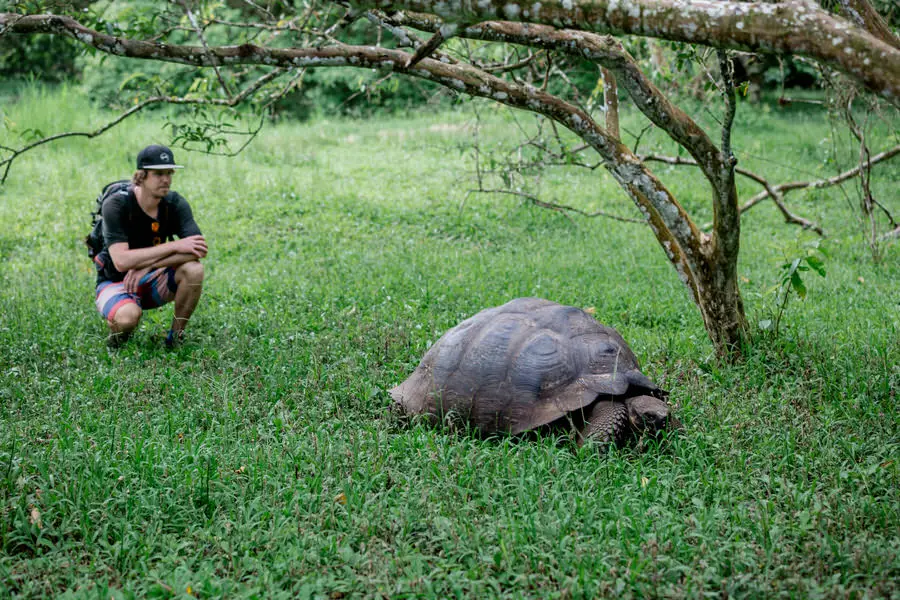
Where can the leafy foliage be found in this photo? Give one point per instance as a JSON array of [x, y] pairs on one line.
[[811, 258], [49, 58], [116, 82]]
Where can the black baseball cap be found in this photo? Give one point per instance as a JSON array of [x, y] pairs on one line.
[[156, 157]]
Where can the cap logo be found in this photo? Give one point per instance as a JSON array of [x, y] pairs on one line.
[[164, 156]]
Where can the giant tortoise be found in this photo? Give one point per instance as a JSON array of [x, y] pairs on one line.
[[532, 363]]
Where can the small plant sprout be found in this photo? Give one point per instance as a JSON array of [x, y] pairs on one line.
[[812, 258]]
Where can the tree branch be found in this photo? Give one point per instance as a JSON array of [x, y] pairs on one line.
[[15, 153], [792, 27], [770, 191], [608, 52], [611, 101], [821, 183], [562, 208], [726, 66], [864, 14]]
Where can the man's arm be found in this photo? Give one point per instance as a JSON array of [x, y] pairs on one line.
[[133, 277], [126, 259], [174, 260]]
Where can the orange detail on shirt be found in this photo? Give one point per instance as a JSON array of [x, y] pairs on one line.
[[155, 226]]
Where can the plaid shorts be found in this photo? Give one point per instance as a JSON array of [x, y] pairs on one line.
[[155, 289]]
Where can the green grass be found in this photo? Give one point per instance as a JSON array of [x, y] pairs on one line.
[[257, 460]]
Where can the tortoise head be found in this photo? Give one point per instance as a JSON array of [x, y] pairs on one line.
[[650, 415]]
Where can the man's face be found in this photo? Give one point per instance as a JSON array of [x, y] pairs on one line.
[[158, 182]]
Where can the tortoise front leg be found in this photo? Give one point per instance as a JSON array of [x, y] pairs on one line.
[[606, 423]]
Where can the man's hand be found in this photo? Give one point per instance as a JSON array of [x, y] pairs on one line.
[[133, 278], [193, 244]]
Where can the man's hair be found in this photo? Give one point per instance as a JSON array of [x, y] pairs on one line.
[[138, 178]]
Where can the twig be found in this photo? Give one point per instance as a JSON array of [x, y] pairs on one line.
[[405, 38], [349, 17], [637, 138], [433, 43], [260, 9], [547, 72], [196, 26], [574, 88], [287, 87], [7, 162], [366, 89], [790, 217], [561, 208], [505, 68], [287, 26]]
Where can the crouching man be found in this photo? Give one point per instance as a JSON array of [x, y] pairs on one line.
[[142, 266]]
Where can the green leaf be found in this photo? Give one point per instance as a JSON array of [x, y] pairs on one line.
[[817, 265], [797, 284]]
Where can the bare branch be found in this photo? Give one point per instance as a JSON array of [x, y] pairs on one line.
[[289, 25], [259, 8], [611, 101], [506, 68], [15, 153], [431, 45], [609, 53], [821, 183], [639, 136], [561, 208], [406, 39], [790, 217]]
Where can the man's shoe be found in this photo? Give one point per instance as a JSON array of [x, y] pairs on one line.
[[174, 339], [115, 340]]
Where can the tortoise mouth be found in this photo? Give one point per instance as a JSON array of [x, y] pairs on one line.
[[648, 414]]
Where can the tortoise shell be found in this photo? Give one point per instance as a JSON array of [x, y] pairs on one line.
[[522, 365]]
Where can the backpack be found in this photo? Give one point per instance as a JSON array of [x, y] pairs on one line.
[[94, 240]]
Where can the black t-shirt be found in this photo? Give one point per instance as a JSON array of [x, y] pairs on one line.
[[125, 221]]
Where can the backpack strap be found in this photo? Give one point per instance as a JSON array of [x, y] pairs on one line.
[[130, 203], [165, 205]]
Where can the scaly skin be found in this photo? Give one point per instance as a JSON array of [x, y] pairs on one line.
[[607, 422]]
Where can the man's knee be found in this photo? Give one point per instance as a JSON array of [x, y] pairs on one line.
[[190, 273], [126, 318]]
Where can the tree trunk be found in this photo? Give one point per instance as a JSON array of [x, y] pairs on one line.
[[720, 303]]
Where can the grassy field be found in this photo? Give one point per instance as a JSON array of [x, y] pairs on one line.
[[257, 460]]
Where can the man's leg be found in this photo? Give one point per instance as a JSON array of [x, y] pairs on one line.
[[125, 320], [189, 279], [121, 310]]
